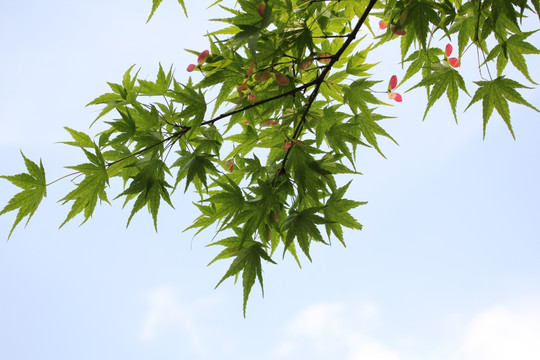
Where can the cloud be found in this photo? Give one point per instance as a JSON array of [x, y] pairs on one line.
[[334, 331], [503, 333], [166, 313], [349, 331]]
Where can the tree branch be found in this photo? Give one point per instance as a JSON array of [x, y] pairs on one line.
[[320, 79]]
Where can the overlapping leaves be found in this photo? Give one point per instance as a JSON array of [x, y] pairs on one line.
[[292, 91]]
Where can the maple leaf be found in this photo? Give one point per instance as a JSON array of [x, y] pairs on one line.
[[248, 261], [496, 94], [34, 188], [90, 189], [337, 213], [302, 225], [443, 79]]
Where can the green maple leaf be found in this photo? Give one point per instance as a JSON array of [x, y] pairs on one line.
[[194, 102], [90, 189], [421, 59], [34, 188], [514, 48], [150, 186], [496, 94], [194, 167], [337, 213], [359, 94], [443, 79], [302, 225], [156, 3], [248, 261]]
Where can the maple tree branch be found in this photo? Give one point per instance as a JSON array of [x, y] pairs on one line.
[[260, 102], [320, 79]]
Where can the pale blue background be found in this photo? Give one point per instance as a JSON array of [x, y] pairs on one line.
[[447, 266]]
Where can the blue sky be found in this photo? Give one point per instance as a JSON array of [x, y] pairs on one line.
[[445, 268]]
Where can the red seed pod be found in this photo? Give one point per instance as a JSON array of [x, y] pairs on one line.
[[392, 83], [399, 32], [383, 24], [261, 8], [252, 97], [251, 66], [305, 64], [395, 96], [229, 164], [262, 76], [448, 50], [202, 57], [282, 79], [454, 62], [325, 57]]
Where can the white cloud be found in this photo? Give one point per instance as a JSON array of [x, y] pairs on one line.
[[351, 331], [167, 313], [334, 331], [503, 333]]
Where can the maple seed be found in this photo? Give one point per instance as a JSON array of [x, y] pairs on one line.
[[202, 57], [325, 57], [392, 83], [398, 31], [282, 79], [191, 67], [261, 8], [383, 24], [252, 97], [243, 86], [287, 145], [262, 76], [395, 96], [448, 50], [230, 164], [454, 62], [250, 70], [269, 123], [304, 65]]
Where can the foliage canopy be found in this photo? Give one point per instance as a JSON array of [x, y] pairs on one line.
[[285, 101]]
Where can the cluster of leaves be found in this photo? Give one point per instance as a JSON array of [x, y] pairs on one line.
[[285, 100]]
